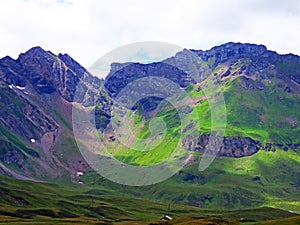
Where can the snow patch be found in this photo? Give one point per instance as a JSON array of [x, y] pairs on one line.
[[11, 86], [32, 140], [78, 174], [20, 88]]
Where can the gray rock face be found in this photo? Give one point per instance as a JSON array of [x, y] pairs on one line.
[[124, 76], [10, 154], [263, 62], [80, 71], [232, 146], [48, 73], [37, 65], [119, 79], [231, 51], [23, 117], [11, 71], [37, 90]]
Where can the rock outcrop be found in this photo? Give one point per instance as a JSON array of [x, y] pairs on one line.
[[232, 51], [121, 76], [232, 146], [48, 73], [10, 154]]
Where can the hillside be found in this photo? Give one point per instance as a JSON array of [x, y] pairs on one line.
[[44, 203], [174, 109]]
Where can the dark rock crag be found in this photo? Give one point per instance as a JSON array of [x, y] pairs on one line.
[[231, 147], [234, 146]]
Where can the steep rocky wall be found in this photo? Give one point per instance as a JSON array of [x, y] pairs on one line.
[[234, 146]]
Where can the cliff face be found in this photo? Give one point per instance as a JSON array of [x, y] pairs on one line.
[[120, 76], [260, 60], [235, 147], [232, 146], [48, 73], [36, 74], [37, 93], [233, 51], [22, 116]]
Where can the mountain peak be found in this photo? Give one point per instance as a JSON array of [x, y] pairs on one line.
[[35, 50], [233, 50], [36, 55], [240, 49], [240, 45], [72, 64]]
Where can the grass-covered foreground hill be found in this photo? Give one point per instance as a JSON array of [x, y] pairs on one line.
[[41, 203]]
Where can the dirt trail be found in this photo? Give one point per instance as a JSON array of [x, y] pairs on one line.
[[16, 175]]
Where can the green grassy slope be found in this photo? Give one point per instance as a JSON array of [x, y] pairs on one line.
[[47, 203], [268, 115], [263, 179]]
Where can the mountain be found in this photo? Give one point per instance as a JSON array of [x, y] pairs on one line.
[[258, 160], [37, 91], [256, 84]]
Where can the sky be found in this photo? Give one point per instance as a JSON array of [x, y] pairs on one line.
[[89, 29]]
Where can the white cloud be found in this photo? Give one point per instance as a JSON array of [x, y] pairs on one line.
[[88, 29]]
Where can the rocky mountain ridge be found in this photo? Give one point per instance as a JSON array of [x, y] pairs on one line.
[[39, 88], [37, 92]]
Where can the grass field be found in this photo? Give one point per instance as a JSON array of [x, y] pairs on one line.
[[40, 203], [229, 183]]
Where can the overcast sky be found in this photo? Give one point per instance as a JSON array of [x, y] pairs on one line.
[[88, 29]]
